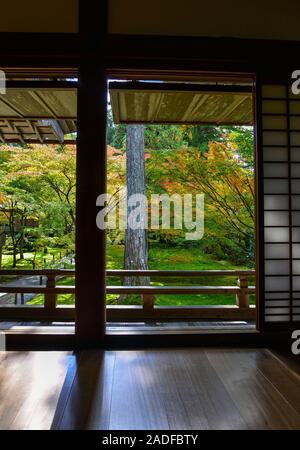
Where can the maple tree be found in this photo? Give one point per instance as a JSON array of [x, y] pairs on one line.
[[38, 183], [225, 174]]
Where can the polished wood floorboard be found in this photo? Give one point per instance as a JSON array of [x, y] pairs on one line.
[[30, 386], [179, 389], [189, 389]]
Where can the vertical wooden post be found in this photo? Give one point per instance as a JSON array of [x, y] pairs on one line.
[[90, 249], [90, 182], [242, 298], [50, 299], [148, 303]]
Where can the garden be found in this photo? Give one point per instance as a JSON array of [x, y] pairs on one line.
[[37, 205]]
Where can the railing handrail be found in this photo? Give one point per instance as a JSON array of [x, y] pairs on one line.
[[51, 290], [123, 272], [110, 289], [178, 273], [38, 272]]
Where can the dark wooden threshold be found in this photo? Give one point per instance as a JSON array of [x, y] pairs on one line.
[[133, 313], [247, 338], [27, 341]]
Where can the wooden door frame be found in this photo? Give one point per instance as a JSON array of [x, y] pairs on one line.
[[195, 75], [95, 53]]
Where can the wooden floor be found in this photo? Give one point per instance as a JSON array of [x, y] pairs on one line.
[[149, 389], [30, 386]]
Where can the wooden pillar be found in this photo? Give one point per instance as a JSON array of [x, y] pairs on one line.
[[91, 181], [91, 176]]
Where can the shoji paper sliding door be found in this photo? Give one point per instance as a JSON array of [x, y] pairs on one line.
[[281, 204]]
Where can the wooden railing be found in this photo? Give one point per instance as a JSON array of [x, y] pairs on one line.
[[51, 311]]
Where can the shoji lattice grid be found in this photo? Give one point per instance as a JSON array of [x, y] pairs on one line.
[[281, 159]]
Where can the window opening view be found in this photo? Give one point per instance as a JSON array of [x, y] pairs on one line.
[[180, 206]]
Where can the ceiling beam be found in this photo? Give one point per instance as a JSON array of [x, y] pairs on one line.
[[42, 84], [57, 131], [140, 86], [15, 110], [42, 102], [230, 108], [73, 118], [37, 141], [17, 131], [36, 131], [195, 103]]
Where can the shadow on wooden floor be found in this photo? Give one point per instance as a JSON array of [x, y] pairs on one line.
[[179, 389]]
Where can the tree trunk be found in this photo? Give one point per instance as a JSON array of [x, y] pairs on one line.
[[136, 244], [21, 245], [15, 250], [22, 236], [2, 243]]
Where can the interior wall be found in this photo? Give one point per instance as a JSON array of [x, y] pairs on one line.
[[270, 19], [56, 16], [263, 19]]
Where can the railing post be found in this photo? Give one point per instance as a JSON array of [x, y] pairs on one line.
[[242, 298], [50, 298], [148, 303]]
